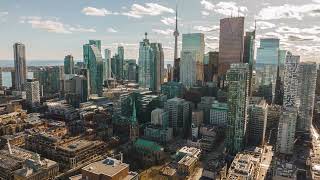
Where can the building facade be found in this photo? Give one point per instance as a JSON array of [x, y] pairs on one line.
[[68, 64], [237, 79], [192, 55], [20, 66], [93, 62], [307, 88], [32, 88], [231, 44]]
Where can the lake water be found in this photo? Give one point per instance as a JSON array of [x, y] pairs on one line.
[[6, 76]]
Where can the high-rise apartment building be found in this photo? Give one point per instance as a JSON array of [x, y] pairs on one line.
[[179, 115], [49, 80], [107, 64], [151, 60], [68, 64], [32, 88], [158, 65], [146, 64], [192, 55], [132, 70], [20, 66], [120, 62], [249, 55], [219, 114], [231, 44], [291, 102], [257, 123], [93, 62], [307, 86], [237, 79]]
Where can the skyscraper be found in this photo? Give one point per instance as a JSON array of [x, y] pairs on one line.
[[32, 89], [257, 123], [267, 61], [248, 56], [107, 64], [237, 79], [68, 65], [231, 44], [146, 64], [288, 119], [192, 55], [179, 115], [158, 65], [176, 60], [210, 69], [318, 82], [20, 66], [93, 62], [120, 62], [307, 86]]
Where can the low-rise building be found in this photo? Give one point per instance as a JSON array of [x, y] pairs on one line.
[[148, 151], [36, 168], [244, 166], [107, 169]]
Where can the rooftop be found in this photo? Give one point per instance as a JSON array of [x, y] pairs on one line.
[[148, 144], [109, 167]]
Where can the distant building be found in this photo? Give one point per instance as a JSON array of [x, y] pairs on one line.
[[205, 105], [150, 57], [120, 62], [219, 114], [93, 62], [110, 168], [158, 130], [172, 89], [231, 44], [210, 69], [32, 88], [318, 82], [68, 64], [49, 79], [191, 64], [257, 123], [286, 131], [307, 87], [237, 79], [107, 64], [179, 115], [78, 91], [132, 70], [20, 66]]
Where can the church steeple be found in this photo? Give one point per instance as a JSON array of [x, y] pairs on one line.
[[134, 112]]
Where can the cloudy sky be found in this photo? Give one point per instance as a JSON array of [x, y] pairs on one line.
[[53, 29]]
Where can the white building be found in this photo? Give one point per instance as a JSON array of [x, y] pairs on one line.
[[288, 119], [32, 88]]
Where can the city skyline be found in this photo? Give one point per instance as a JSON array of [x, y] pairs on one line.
[[51, 32]]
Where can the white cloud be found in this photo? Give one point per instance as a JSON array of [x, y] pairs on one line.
[[163, 32], [287, 29], [207, 5], [224, 8], [81, 29], [299, 37], [168, 20], [3, 16], [265, 25], [53, 25], [212, 38], [206, 28], [205, 13], [287, 11], [112, 30], [91, 11], [151, 9]]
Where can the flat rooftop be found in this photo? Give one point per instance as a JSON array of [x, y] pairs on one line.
[[109, 167], [76, 145]]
